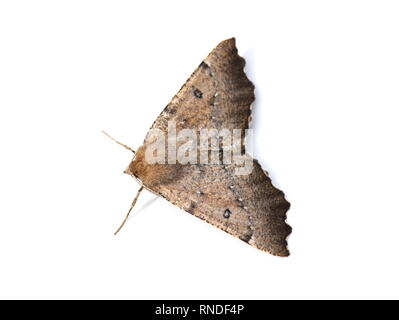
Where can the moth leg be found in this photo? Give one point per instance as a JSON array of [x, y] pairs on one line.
[[120, 143], [130, 210]]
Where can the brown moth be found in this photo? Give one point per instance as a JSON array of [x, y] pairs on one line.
[[217, 95]]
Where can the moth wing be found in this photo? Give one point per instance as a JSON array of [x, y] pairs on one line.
[[248, 207], [217, 95]]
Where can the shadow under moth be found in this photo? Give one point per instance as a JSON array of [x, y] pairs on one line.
[[217, 95]]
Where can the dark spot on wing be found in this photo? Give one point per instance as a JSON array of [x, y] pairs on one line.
[[247, 236], [227, 214], [212, 101], [204, 65], [170, 109], [192, 207], [198, 93]]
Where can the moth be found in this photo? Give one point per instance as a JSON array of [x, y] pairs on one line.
[[217, 95]]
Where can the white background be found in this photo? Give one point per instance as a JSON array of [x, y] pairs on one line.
[[326, 128]]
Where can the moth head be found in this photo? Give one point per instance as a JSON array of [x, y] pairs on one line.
[[151, 174]]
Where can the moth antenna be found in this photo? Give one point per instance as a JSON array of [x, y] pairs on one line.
[[120, 143], [130, 210]]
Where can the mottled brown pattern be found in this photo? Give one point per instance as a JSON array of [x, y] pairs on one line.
[[218, 95]]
